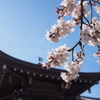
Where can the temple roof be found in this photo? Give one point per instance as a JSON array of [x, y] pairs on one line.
[[21, 79]]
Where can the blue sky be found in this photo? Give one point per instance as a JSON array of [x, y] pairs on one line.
[[23, 25]]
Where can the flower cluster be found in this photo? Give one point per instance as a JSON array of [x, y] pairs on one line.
[[67, 77], [77, 10], [67, 7], [57, 57], [72, 69], [91, 33], [61, 29]]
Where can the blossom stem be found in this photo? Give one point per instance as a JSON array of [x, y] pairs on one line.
[[91, 11], [86, 19], [81, 17], [98, 47], [74, 46]]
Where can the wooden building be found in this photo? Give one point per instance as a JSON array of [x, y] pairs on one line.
[[21, 80]]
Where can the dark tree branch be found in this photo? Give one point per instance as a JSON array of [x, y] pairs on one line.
[[74, 46], [91, 10], [86, 19]]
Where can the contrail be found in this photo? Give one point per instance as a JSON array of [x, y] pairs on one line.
[[35, 46]]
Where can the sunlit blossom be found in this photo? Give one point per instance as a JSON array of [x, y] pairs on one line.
[[61, 29], [97, 8], [73, 67], [67, 77], [97, 54], [91, 35]]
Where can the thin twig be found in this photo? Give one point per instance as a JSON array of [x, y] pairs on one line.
[[74, 46], [86, 19], [82, 14], [91, 11]]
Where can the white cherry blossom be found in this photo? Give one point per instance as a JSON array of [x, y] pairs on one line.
[[77, 10], [73, 67], [67, 77], [98, 61], [61, 29], [57, 56], [55, 37], [68, 6], [91, 33], [97, 54], [97, 8]]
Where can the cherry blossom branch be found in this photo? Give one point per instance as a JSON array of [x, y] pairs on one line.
[[74, 46], [81, 16], [87, 25], [89, 34], [91, 10], [72, 49], [98, 2]]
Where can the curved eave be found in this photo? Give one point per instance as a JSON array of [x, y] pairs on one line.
[[23, 65], [9, 58]]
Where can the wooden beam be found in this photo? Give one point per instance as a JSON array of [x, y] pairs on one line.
[[15, 74], [45, 96], [5, 97]]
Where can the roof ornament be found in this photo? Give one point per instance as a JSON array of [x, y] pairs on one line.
[[21, 89], [21, 71], [40, 60], [80, 81], [15, 69], [52, 77], [34, 74], [90, 81], [4, 66], [75, 80], [46, 76], [40, 75], [89, 90], [85, 81], [19, 99], [58, 78], [28, 72]]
